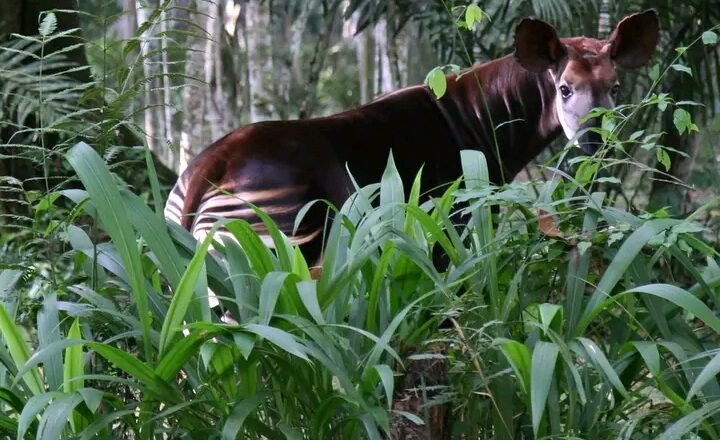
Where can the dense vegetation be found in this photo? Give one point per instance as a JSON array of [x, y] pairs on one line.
[[579, 303]]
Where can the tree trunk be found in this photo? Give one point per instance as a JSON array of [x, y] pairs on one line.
[[391, 37], [365, 47], [148, 101], [330, 13], [192, 139], [259, 60]]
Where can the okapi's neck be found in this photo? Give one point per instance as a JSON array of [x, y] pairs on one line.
[[499, 107]]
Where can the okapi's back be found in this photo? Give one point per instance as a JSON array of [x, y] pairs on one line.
[[279, 166]]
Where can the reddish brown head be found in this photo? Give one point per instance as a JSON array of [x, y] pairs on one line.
[[583, 69]]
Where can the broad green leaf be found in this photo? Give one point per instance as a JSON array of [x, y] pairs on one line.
[[392, 194], [183, 296], [708, 373], [281, 338], [240, 411], [271, 289], [682, 427], [518, 356], [48, 329], [600, 360], [663, 157], [437, 82], [19, 351], [683, 299], [388, 381], [544, 357], [682, 68], [134, 367], [55, 416], [33, 408], [154, 231], [683, 121], [473, 14], [107, 200], [618, 267], [74, 366], [709, 37], [180, 352], [650, 354], [308, 295], [654, 72], [548, 315]]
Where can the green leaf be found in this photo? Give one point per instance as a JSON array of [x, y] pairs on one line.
[[107, 200], [544, 358], [437, 82], [619, 265], [392, 194], [682, 68], [183, 296], [654, 73], [19, 351], [181, 352], [518, 355], [308, 295], [473, 14], [683, 299], [663, 157], [272, 287], [682, 427], [74, 366], [600, 360], [55, 416], [48, 330], [683, 121], [238, 414], [650, 354], [32, 408], [708, 373], [281, 338], [709, 37], [137, 369], [388, 381], [153, 229]]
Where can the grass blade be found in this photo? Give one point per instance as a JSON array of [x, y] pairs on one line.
[[183, 296], [543, 368], [110, 208]]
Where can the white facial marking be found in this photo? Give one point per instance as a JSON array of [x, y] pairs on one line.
[[569, 132]]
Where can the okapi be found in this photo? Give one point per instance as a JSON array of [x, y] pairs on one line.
[[510, 109]]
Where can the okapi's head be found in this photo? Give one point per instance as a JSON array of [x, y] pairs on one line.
[[583, 69]]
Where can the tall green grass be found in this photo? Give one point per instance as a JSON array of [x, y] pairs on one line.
[[564, 316]]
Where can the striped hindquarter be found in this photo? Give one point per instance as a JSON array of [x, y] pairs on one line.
[[233, 200]]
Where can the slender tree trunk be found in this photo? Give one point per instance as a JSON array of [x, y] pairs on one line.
[[330, 14], [391, 39], [127, 22], [192, 139], [383, 76], [259, 59], [145, 43], [167, 154], [365, 49]]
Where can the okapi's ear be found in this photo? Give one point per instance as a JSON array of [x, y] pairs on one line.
[[633, 41], [537, 46]]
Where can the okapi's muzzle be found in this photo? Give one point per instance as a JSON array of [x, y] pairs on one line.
[[589, 138]]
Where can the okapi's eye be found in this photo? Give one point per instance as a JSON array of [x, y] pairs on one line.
[[615, 89], [565, 92]]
